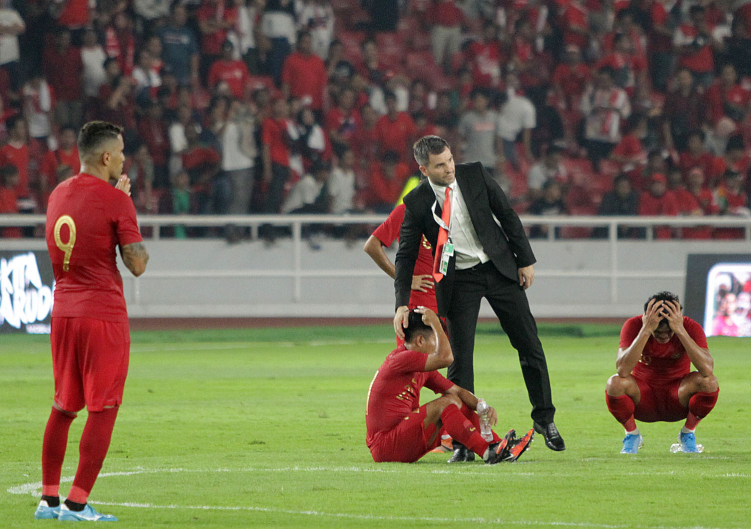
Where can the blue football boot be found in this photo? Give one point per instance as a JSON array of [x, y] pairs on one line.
[[632, 443], [88, 514], [45, 512], [688, 444]]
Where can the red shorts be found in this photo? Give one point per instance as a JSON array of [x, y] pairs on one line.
[[406, 442], [90, 362], [659, 402]]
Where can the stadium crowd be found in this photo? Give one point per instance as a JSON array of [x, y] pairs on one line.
[[639, 107]]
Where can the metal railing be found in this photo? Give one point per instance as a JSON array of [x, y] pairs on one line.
[[297, 272]]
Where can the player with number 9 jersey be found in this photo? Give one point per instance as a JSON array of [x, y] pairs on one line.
[[87, 220]]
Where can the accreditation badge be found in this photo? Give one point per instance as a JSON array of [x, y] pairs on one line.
[[448, 251]]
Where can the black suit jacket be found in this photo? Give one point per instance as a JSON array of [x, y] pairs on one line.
[[506, 245]]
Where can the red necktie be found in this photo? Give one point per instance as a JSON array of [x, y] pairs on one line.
[[443, 236]]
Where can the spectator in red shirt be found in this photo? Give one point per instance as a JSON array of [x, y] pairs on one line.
[[63, 69], [574, 22], [202, 162], [233, 72], [696, 155], [343, 120], [726, 98], [630, 69], [153, 132], [16, 152], [276, 154], [681, 113], [658, 201], [570, 78], [55, 162], [396, 131], [693, 42], [372, 68], [484, 58], [215, 19], [386, 182], [364, 141], [446, 33], [9, 199], [74, 14], [696, 200], [630, 153], [120, 42], [304, 75]]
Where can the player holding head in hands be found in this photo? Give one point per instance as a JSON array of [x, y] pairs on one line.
[[87, 218], [654, 381], [400, 430]]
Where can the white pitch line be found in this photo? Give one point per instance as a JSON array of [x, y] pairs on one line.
[[35, 489], [423, 519]]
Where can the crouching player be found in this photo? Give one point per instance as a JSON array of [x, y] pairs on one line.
[[399, 429], [654, 381]]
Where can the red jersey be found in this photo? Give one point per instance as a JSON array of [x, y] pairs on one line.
[[344, 124], [387, 233], [306, 76], [396, 135], [574, 16], [274, 134], [395, 390], [75, 14], [572, 80], [661, 363], [212, 42], [234, 73], [86, 220]]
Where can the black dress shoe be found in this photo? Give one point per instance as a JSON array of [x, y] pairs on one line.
[[462, 454], [553, 439]]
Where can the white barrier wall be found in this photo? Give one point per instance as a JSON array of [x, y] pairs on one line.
[[210, 278]]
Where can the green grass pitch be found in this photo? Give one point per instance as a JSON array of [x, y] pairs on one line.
[[265, 428]]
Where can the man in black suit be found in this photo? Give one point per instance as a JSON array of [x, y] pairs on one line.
[[481, 259]]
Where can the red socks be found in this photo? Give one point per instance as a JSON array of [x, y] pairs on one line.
[[53, 450], [95, 442], [699, 406], [622, 409], [475, 420], [464, 430]]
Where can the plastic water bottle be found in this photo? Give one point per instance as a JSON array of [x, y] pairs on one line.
[[482, 412]]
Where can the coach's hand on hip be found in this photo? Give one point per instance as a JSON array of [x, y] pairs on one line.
[[401, 319], [526, 276]]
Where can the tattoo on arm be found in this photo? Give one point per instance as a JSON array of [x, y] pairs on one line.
[[134, 255]]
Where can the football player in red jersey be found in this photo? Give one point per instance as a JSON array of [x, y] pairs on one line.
[[87, 219], [423, 294], [400, 430], [654, 381]]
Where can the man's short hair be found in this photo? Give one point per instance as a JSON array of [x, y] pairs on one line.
[[94, 134], [663, 296], [426, 146], [416, 327]]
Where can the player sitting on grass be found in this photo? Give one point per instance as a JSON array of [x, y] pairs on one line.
[[399, 429], [654, 381]]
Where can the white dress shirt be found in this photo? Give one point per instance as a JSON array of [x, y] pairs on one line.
[[467, 247]]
